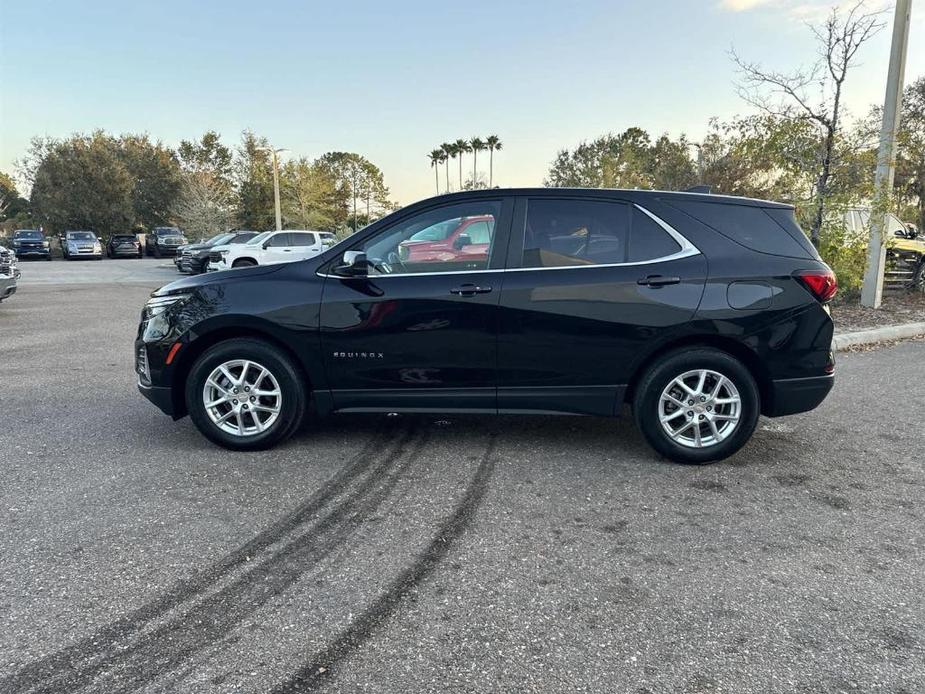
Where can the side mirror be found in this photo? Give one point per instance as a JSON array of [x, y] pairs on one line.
[[462, 241], [266, 244], [353, 264]]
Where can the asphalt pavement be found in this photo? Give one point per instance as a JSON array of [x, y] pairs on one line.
[[461, 554]]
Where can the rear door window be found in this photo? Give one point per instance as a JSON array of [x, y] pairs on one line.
[[752, 227], [302, 239], [567, 232]]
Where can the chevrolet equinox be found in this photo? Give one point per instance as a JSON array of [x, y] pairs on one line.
[[699, 311]]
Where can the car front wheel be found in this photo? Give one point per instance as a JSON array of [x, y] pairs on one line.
[[697, 405], [245, 394]]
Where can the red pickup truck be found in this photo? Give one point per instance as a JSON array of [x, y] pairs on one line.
[[462, 239]]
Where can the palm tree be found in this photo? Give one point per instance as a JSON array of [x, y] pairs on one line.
[[436, 158], [492, 142], [478, 145], [461, 147], [448, 153]]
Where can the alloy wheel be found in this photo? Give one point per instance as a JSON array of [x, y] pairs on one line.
[[700, 408], [242, 397]]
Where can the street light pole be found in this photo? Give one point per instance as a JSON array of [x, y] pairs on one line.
[[872, 291], [279, 213]]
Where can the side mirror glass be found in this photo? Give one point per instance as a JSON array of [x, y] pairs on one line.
[[353, 264], [461, 241]]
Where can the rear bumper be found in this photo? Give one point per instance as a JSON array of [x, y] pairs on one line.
[[161, 397], [793, 395]]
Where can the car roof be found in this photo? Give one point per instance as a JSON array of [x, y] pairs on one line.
[[627, 193]]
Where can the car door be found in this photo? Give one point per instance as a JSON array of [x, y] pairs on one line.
[[592, 282], [417, 334], [277, 249], [305, 244]]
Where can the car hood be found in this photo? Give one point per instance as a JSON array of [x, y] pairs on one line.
[[186, 284], [195, 247]]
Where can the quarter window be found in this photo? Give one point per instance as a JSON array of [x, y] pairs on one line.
[[648, 241], [455, 238], [566, 233]]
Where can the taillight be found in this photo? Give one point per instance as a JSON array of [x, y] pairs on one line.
[[820, 283]]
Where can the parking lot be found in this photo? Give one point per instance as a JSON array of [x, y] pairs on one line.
[[414, 553]]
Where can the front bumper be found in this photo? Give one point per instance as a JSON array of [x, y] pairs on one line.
[[7, 286], [793, 395], [160, 396], [167, 250], [32, 252]]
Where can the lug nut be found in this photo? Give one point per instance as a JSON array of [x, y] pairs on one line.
[[253, 398], [690, 413], [247, 389], [709, 408], [703, 398], [701, 416], [245, 406], [690, 402], [234, 402]]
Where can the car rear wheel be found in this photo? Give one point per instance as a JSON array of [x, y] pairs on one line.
[[245, 394], [244, 262], [697, 406]]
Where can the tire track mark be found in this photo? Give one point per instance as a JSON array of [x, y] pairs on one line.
[[58, 671], [320, 667]]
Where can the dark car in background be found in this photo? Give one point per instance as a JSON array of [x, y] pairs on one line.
[[30, 243], [164, 241], [123, 246], [701, 312], [81, 244], [193, 258]]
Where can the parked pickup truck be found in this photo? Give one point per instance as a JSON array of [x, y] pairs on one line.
[[164, 241]]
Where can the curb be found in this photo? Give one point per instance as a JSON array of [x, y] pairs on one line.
[[842, 341]]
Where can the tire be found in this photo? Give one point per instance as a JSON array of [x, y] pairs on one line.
[[157, 252], [244, 262], [291, 400], [648, 406], [48, 257]]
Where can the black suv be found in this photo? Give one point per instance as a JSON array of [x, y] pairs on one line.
[[700, 311], [163, 241]]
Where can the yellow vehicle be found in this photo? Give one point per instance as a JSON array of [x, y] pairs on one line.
[[905, 248]]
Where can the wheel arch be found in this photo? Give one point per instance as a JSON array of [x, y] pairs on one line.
[[244, 257], [193, 350], [724, 344]]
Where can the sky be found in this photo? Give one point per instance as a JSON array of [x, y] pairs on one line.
[[392, 80]]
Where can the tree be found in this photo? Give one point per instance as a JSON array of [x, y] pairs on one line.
[[461, 147], [450, 151], [155, 174], [203, 206], [357, 180], [477, 145], [910, 164], [627, 160], [83, 183], [210, 155], [790, 95], [436, 158], [492, 142], [253, 174], [309, 195]]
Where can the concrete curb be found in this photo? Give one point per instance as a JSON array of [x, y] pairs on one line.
[[841, 341]]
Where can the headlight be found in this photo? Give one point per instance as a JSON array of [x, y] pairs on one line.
[[223, 253], [158, 304], [45, 244]]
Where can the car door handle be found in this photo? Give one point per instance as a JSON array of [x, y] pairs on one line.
[[469, 290], [658, 280]]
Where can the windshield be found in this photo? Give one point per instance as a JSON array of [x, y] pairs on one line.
[[27, 234], [167, 231], [259, 238], [123, 237], [437, 232], [81, 236], [219, 239]]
